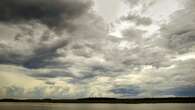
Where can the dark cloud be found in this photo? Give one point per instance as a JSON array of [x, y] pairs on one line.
[[51, 73], [137, 19], [127, 91], [49, 12], [132, 34], [43, 56], [50, 83], [38, 50], [132, 3], [179, 33], [35, 45]]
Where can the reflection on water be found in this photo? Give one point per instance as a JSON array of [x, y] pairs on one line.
[[47, 106]]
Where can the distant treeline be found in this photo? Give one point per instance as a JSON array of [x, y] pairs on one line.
[[108, 100]]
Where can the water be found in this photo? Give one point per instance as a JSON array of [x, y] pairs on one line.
[[49, 106]]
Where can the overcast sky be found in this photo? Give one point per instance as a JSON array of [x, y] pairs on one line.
[[97, 48]]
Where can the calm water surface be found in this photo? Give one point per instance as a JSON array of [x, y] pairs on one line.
[[49, 106]]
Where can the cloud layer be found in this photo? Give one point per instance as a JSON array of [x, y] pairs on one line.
[[63, 49]]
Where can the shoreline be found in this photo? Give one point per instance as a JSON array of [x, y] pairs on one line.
[[107, 100]]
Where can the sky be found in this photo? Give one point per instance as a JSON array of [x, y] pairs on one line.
[[97, 48]]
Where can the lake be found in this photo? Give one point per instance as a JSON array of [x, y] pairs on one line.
[[61, 106]]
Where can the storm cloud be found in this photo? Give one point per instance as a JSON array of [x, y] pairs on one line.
[[49, 12], [37, 25]]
